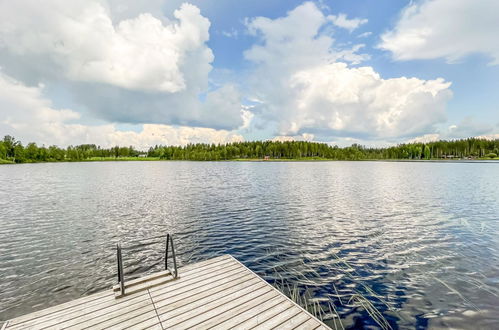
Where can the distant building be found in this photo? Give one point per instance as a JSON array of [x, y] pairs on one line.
[[266, 158]]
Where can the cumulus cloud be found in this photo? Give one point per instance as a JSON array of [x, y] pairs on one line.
[[342, 21], [357, 100], [80, 41], [303, 84], [134, 69], [27, 114], [450, 29], [288, 43]]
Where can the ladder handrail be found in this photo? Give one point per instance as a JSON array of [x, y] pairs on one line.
[[143, 242], [169, 240]]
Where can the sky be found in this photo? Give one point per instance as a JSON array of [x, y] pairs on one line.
[[142, 73]]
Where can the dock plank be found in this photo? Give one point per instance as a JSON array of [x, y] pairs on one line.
[[190, 283], [105, 323], [263, 316], [142, 321], [311, 324], [294, 322], [198, 315], [234, 313], [64, 306], [111, 315], [78, 311], [168, 312], [246, 315], [219, 293], [279, 318], [165, 304]]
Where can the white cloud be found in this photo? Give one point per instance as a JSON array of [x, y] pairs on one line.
[[450, 29], [247, 116], [302, 85], [437, 136], [425, 138], [364, 35], [28, 115], [232, 33], [489, 137], [342, 21], [168, 135], [121, 67], [287, 138], [352, 55], [357, 100], [349, 141], [80, 39]]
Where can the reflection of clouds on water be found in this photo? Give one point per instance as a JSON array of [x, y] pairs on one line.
[[418, 240]]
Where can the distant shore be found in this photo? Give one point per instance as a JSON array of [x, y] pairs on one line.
[[256, 160], [367, 160], [464, 150]]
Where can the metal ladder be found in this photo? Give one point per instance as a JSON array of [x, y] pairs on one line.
[[121, 276]]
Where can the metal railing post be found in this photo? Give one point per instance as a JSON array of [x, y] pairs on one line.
[[118, 261], [121, 276], [174, 257], [169, 240], [166, 251]]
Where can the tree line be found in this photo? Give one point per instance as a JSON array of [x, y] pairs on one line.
[[14, 151], [466, 148]]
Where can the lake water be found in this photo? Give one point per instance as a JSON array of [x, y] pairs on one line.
[[420, 241]]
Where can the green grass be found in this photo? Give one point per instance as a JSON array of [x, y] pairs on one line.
[[304, 159], [93, 159], [120, 159]]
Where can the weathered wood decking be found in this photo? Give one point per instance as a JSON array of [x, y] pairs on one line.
[[219, 293]]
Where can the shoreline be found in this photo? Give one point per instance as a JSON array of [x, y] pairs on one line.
[[259, 160]]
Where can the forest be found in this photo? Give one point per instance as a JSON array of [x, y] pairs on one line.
[[13, 151]]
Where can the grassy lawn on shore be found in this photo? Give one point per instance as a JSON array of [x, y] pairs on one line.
[[305, 159], [124, 159]]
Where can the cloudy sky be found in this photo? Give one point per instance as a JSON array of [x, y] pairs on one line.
[[141, 73]]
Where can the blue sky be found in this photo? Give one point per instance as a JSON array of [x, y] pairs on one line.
[[474, 83], [170, 72]]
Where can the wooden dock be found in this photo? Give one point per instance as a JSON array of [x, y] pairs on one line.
[[220, 293]]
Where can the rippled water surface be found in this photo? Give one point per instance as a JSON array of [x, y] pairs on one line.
[[419, 241]]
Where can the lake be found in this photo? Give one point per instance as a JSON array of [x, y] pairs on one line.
[[419, 241]]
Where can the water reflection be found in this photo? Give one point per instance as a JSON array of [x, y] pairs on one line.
[[418, 241]]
